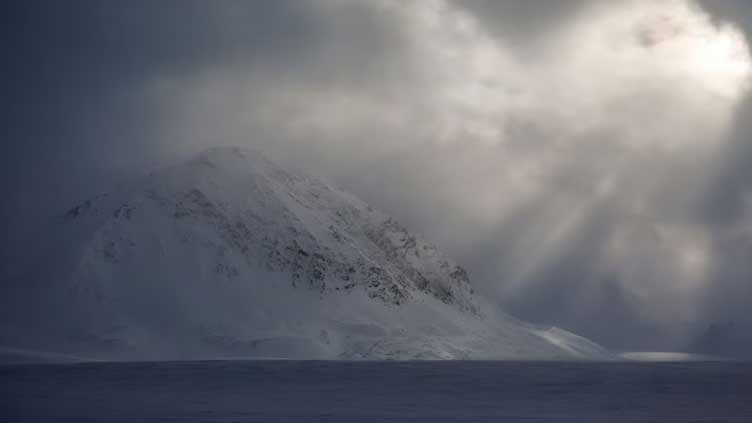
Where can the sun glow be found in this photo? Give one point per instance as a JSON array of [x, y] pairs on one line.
[[717, 57], [724, 59]]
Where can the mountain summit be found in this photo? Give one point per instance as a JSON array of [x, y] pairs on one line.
[[229, 255]]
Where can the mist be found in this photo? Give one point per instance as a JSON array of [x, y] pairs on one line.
[[587, 162]]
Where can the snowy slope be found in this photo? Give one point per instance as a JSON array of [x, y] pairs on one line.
[[229, 255]]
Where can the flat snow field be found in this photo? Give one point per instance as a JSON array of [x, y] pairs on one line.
[[328, 391]]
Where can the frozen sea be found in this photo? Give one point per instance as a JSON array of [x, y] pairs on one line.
[[312, 391]]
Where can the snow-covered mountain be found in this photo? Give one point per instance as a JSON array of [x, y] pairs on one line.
[[228, 255]]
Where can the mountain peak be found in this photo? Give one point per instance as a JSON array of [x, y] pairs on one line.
[[231, 152], [230, 157]]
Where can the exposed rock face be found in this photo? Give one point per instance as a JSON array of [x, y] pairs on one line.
[[351, 247], [230, 254]]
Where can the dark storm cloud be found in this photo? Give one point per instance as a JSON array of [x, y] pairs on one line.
[[523, 22], [736, 11], [541, 143], [70, 56]]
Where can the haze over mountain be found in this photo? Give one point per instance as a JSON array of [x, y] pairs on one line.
[[229, 255], [589, 162]]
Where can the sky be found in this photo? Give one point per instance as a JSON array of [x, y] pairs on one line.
[[588, 162]]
